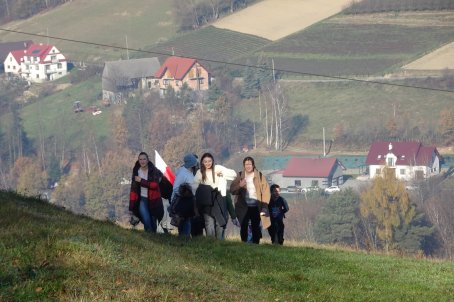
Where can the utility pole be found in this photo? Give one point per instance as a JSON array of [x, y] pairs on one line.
[[324, 152], [127, 48]]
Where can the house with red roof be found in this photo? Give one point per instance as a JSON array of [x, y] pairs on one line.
[[177, 71], [7, 47], [38, 63], [410, 160], [305, 172]]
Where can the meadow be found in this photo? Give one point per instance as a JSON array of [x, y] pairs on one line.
[[49, 254]]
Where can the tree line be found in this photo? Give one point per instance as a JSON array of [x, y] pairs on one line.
[[22, 9]]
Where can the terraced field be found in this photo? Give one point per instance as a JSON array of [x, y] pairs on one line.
[[211, 43], [349, 45]]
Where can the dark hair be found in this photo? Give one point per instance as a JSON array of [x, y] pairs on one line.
[[274, 186], [202, 166], [143, 153], [248, 158]]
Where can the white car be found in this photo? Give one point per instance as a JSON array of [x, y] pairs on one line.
[[332, 189]]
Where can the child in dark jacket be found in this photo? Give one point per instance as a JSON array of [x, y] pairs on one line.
[[278, 207]]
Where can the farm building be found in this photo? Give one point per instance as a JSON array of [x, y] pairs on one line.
[[177, 71], [409, 160], [119, 78], [309, 172]]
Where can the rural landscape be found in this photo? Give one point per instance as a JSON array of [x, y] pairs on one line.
[[364, 89]]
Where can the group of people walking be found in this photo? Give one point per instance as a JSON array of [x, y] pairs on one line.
[[201, 199]]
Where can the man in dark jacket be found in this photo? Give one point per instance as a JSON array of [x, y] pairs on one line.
[[278, 207]]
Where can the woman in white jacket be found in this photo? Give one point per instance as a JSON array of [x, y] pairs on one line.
[[215, 176]]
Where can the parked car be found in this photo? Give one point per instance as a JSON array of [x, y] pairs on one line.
[[293, 189], [310, 189], [332, 189]]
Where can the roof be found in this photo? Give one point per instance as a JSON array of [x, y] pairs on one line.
[[7, 47], [178, 67], [407, 153], [38, 50], [18, 55], [120, 73], [310, 167]]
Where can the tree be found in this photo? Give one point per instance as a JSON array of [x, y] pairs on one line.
[[30, 179], [338, 221], [388, 203], [446, 125]]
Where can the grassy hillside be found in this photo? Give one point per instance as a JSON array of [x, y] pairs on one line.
[[144, 22], [357, 105], [49, 254]]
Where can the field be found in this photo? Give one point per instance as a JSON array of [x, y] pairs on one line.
[[440, 59], [275, 19], [212, 44], [357, 106], [53, 116], [49, 254], [106, 22], [346, 46]]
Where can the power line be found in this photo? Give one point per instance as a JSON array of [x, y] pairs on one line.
[[231, 63]]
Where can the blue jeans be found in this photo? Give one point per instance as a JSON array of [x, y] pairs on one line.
[[184, 229], [213, 229], [149, 221]]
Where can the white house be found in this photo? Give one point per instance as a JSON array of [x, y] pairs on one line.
[[42, 62], [13, 61], [409, 160]]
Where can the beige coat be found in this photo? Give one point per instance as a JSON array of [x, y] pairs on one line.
[[263, 196]]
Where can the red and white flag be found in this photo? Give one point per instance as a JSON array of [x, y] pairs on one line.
[[162, 166]]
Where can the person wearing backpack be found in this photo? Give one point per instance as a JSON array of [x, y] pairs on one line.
[[182, 201], [252, 197], [278, 206]]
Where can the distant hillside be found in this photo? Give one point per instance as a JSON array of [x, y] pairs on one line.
[[50, 254], [109, 22]]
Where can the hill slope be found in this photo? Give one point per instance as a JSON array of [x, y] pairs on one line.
[[49, 254]]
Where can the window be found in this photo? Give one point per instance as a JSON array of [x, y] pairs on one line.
[[402, 171], [378, 171], [298, 183], [59, 65], [53, 57], [166, 82], [390, 162], [37, 76], [10, 59], [314, 183]]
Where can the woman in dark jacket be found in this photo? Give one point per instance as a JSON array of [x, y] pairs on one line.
[[145, 198]]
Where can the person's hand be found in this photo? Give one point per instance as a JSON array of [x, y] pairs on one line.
[[219, 174], [243, 182], [137, 178], [236, 222]]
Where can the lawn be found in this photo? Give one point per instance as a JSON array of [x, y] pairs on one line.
[[52, 255]]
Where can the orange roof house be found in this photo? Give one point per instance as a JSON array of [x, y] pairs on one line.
[[177, 71]]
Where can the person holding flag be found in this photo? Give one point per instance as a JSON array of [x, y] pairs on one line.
[[145, 200]]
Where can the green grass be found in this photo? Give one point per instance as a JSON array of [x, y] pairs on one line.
[[144, 22], [356, 105], [48, 254], [54, 116]]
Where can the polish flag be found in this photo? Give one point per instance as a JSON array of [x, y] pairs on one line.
[[162, 166]]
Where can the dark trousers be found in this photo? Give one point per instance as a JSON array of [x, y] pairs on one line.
[[252, 215], [276, 231]]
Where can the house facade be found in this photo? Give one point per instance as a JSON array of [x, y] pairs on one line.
[[120, 78], [177, 71], [409, 160], [7, 47], [38, 63], [309, 172]]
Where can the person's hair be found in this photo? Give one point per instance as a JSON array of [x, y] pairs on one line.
[[202, 166], [143, 153], [274, 186], [248, 158]]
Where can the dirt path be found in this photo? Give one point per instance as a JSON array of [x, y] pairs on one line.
[[275, 19]]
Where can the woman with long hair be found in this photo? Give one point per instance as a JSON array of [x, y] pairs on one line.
[[145, 199], [212, 178], [253, 196]]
